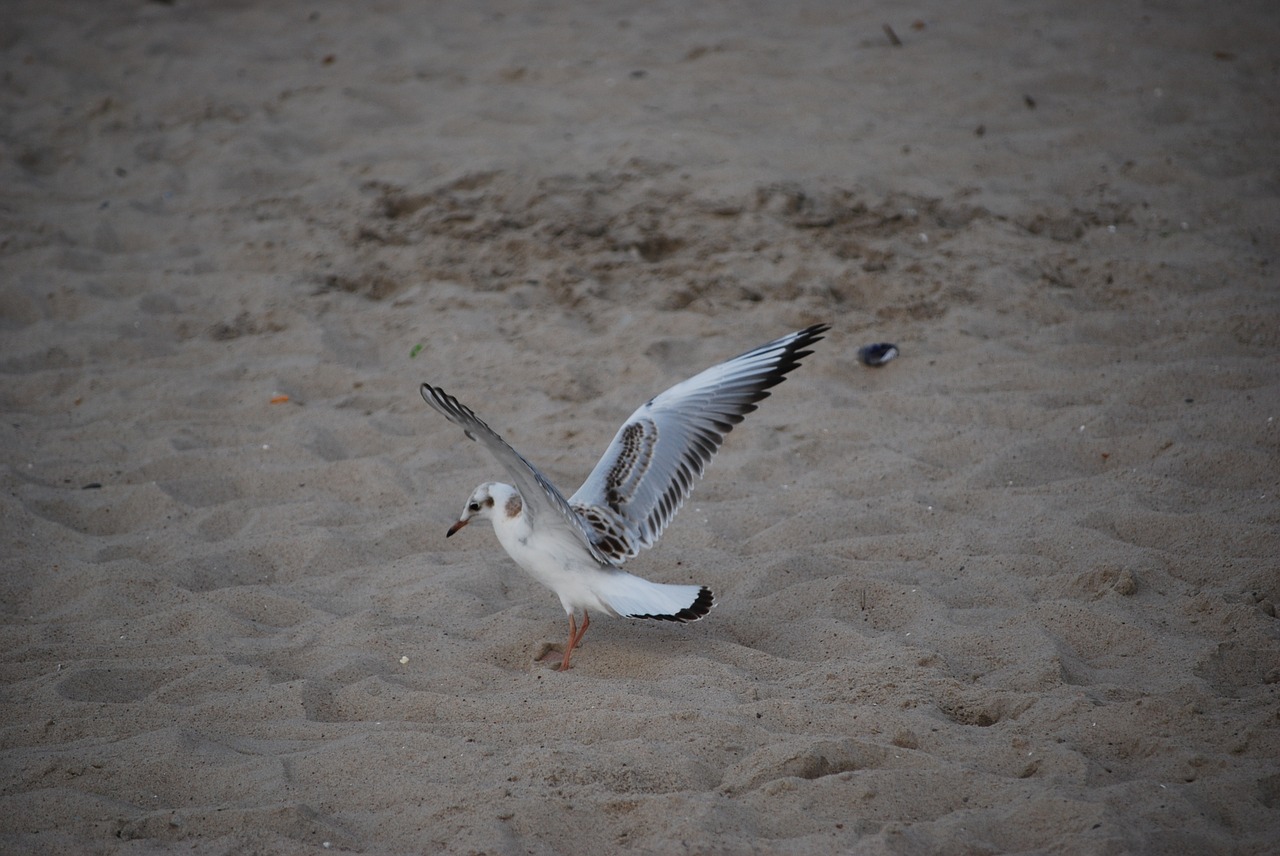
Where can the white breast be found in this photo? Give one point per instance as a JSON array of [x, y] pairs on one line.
[[555, 558]]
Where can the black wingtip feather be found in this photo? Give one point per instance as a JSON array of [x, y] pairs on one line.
[[451, 408], [792, 353]]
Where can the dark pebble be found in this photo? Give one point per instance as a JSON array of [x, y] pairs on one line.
[[878, 354]]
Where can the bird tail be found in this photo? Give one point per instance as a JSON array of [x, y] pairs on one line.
[[632, 597]]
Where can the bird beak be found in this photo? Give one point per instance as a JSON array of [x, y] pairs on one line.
[[455, 527]]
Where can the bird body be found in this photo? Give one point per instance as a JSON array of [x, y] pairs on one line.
[[555, 558]]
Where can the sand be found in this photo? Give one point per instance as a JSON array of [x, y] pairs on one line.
[[1014, 592]]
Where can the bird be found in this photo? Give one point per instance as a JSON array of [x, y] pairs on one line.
[[576, 547]]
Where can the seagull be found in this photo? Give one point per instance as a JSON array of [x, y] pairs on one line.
[[576, 546]]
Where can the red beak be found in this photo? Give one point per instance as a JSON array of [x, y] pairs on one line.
[[455, 527]]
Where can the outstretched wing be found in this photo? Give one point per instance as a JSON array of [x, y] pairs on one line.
[[540, 497], [657, 455]]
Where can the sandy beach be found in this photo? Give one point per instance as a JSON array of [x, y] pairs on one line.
[[1013, 592]]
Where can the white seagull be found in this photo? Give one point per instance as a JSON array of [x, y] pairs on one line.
[[575, 546]]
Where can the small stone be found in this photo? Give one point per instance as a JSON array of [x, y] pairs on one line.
[[878, 354]]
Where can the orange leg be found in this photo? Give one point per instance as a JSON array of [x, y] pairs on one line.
[[575, 637]]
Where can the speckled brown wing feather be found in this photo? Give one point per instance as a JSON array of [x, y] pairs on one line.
[[659, 453]]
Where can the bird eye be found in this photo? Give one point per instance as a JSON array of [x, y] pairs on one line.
[[475, 506]]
